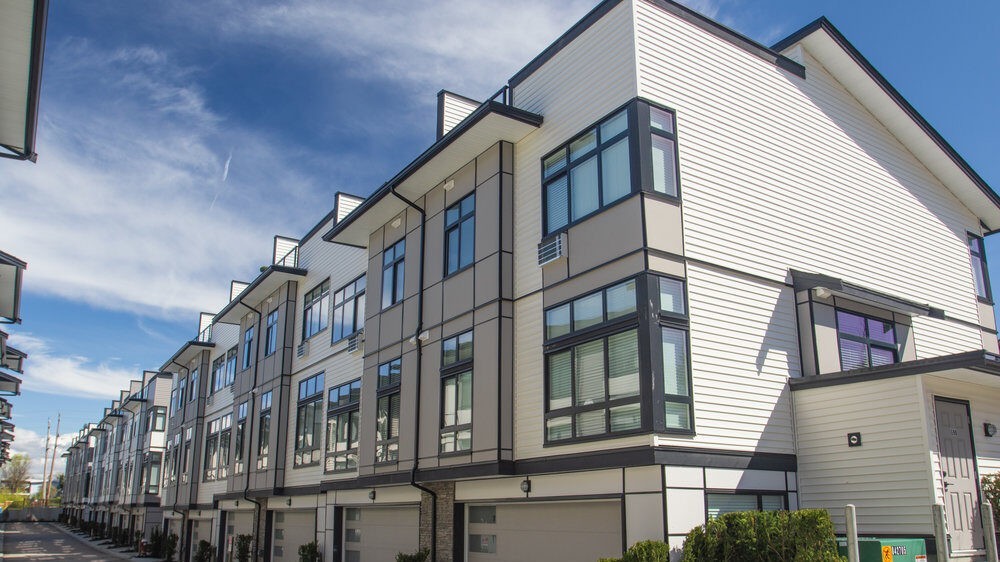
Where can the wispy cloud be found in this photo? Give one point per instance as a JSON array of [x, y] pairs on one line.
[[470, 47], [48, 372]]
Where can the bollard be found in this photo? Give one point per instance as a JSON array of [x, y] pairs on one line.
[[940, 533], [989, 530], [850, 514]]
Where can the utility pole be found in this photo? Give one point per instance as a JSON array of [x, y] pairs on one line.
[[45, 459], [52, 466]]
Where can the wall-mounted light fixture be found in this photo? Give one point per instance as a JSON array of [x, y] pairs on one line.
[[396, 222], [371, 495], [989, 429], [237, 503], [822, 292], [288, 502], [449, 185], [526, 486]]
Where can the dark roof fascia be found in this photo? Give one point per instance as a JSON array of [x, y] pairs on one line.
[[978, 360], [40, 25], [253, 285], [17, 352], [205, 344], [11, 260], [475, 117], [824, 24], [685, 13], [803, 281]]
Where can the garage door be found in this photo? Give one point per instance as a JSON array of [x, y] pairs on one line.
[[374, 534], [292, 529], [565, 531]]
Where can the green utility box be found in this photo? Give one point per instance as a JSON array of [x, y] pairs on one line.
[[879, 549]]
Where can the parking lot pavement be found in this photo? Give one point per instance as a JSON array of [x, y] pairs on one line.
[[47, 541]]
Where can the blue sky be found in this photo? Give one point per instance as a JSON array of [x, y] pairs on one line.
[[176, 138]]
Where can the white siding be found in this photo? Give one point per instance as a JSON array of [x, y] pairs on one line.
[[778, 172], [582, 83], [455, 110], [888, 476]]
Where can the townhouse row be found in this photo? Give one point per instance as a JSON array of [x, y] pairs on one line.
[[11, 358], [665, 273]]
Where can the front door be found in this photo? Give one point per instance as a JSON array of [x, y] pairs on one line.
[[958, 471]]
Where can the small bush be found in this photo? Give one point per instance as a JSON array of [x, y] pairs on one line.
[[204, 552], [243, 547], [755, 536], [419, 556], [991, 491], [170, 547], [309, 552], [647, 551]]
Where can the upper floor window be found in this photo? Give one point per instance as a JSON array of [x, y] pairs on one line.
[[314, 310], [264, 431], [182, 392], [977, 252], [271, 333], [309, 421], [865, 341], [219, 374], [387, 414], [194, 385], [392, 273], [157, 419], [456, 393], [676, 372], [663, 148], [460, 234], [349, 309], [342, 422], [247, 347], [240, 438], [590, 172], [231, 365]]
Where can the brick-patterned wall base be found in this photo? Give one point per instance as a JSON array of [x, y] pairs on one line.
[[445, 519]]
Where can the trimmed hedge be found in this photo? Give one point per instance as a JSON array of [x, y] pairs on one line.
[[764, 536], [644, 551]]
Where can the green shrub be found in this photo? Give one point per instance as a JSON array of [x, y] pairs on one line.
[[309, 552], [756, 536], [610, 560], [647, 551], [204, 552], [991, 491], [243, 548], [419, 556], [170, 547]]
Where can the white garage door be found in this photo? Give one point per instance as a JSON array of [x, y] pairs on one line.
[[377, 534], [292, 529], [564, 531]]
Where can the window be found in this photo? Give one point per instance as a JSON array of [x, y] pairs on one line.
[[309, 421], [225, 433], [677, 402], [349, 309], [865, 341], [977, 253], [314, 310], [194, 385], [460, 234], [173, 401], [238, 446], [211, 451], [247, 347], [186, 455], [181, 392], [720, 504], [271, 334], [387, 415], [663, 146], [218, 374], [593, 386], [456, 393], [600, 165], [342, 427], [152, 473], [231, 366], [590, 172], [264, 431], [392, 274], [159, 418]]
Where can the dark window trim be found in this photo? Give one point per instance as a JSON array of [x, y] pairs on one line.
[[308, 303], [988, 287], [460, 363], [456, 226], [758, 493], [867, 341], [644, 143], [558, 340], [399, 259], [268, 350], [359, 314], [347, 409], [388, 392], [248, 357], [389, 388], [459, 427], [331, 408]]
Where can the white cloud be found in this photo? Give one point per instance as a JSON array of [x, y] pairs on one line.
[[69, 375], [117, 212], [469, 47], [28, 442]]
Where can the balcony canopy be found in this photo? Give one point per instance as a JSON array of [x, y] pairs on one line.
[[22, 44]]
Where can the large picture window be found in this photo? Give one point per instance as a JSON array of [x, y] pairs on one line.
[[314, 310], [387, 414], [309, 421], [865, 341], [349, 309], [343, 418], [460, 234], [456, 393], [393, 273]]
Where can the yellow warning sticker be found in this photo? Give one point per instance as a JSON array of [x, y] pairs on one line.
[[886, 554]]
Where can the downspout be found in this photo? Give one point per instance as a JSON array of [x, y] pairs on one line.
[[420, 363], [180, 467], [249, 433]]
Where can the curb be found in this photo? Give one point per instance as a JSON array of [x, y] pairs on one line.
[[95, 546]]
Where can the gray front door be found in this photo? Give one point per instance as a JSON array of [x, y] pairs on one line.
[[958, 471]]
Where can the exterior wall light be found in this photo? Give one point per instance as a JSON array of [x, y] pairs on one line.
[[371, 495], [288, 502], [526, 486], [989, 429]]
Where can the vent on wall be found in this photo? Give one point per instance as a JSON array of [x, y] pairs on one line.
[[302, 349], [551, 250], [354, 342]]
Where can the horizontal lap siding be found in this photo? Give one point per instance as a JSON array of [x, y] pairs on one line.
[[888, 477], [585, 81], [455, 110], [779, 172]]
